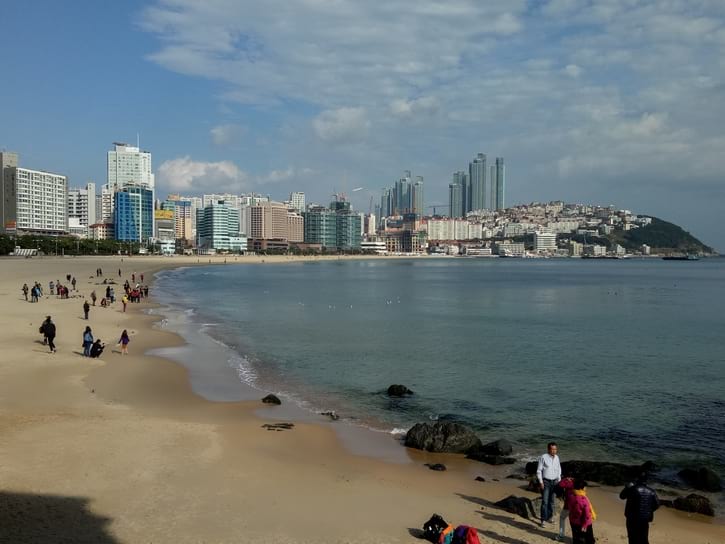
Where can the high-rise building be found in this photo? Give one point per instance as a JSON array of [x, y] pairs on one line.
[[218, 229], [81, 209], [500, 184], [268, 221], [477, 177], [297, 201], [33, 201], [386, 203], [402, 196], [133, 213], [337, 227], [129, 165], [418, 203], [455, 197]]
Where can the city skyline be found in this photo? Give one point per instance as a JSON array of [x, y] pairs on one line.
[[610, 104]]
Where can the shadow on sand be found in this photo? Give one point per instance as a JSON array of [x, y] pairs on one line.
[[50, 519], [502, 516]]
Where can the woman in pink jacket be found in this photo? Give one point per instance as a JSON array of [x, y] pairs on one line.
[[581, 514]]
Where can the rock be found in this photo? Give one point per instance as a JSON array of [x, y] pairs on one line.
[[441, 437], [331, 414], [490, 459], [397, 390], [605, 473], [271, 399], [702, 478], [694, 503], [531, 467], [480, 479], [498, 447], [517, 505], [436, 466]]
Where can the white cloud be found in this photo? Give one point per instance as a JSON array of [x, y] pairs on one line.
[[226, 134], [343, 125], [424, 105], [185, 174], [572, 70]]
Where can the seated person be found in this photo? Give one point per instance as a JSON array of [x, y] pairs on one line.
[[97, 349]]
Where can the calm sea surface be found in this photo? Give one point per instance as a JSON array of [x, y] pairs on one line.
[[613, 359]]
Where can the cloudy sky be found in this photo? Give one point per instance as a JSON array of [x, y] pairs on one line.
[[612, 101]]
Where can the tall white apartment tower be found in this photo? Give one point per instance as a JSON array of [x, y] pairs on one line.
[[297, 200], [129, 165], [81, 209]]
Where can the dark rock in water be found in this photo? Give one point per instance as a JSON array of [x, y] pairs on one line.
[[605, 473], [480, 479], [703, 479], [397, 390], [498, 447], [436, 466], [517, 505], [331, 414], [441, 437], [271, 399], [694, 503], [490, 459]]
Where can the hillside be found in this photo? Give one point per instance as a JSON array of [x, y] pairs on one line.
[[662, 237]]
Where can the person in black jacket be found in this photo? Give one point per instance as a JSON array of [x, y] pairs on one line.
[[48, 330], [640, 508]]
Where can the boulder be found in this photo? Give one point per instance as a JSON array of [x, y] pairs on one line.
[[498, 447], [694, 503], [397, 390], [480, 479], [271, 399], [605, 473], [517, 505], [441, 437], [490, 459], [436, 466], [701, 478]]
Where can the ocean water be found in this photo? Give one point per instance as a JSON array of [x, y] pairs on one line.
[[619, 360]]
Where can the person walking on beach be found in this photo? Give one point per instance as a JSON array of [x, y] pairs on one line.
[[51, 287], [87, 342], [123, 342], [73, 283], [125, 302], [581, 514], [93, 297], [119, 272], [641, 504], [548, 473], [25, 291], [86, 309], [48, 330], [42, 330]]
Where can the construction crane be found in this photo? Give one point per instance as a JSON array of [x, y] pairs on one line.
[[434, 206]]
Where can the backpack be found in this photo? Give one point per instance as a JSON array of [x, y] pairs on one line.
[[465, 535], [433, 528]]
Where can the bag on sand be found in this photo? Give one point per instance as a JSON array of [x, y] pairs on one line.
[[465, 535], [433, 528]]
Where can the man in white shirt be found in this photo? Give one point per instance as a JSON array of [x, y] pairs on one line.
[[548, 473]]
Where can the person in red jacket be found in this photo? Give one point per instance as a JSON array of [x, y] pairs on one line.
[[581, 514]]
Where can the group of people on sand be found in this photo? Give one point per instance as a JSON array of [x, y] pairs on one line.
[[92, 347], [639, 511]]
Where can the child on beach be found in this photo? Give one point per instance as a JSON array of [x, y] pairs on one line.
[[123, 342], [581, 514]]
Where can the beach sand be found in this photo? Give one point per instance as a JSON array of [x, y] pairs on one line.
[[121, 450]]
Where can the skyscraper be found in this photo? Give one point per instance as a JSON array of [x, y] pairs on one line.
[[461, 179], [134, 213], [477, 177], [402, 200], [500, 184], [81, 209], [455, 199], [297, 200], [129, 165], [418, 203]]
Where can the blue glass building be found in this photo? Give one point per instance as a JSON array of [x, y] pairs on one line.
[[134, 214]]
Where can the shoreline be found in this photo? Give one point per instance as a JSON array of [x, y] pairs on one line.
[[129, 434]]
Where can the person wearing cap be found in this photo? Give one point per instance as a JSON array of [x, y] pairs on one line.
[[641, 504], [548, 473]]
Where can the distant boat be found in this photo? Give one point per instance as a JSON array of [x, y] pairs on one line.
[[681, 258]]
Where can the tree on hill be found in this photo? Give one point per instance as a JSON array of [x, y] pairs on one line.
[[661, 235]]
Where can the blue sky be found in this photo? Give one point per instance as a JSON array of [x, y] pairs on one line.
[[619, 102]]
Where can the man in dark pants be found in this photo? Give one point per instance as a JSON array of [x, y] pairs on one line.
[[48, 329], [86, 309], [640, 508], [548, 474]]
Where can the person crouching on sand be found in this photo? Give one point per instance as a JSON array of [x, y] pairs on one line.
[[581, 514], [123, 342], [97, 349]]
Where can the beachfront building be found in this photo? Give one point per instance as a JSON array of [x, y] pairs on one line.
[[544, 242], [81, 210], [333, 228], [217, 228], [133, 214], [33, 201], [509, 249], [297, 201], [128, 165]]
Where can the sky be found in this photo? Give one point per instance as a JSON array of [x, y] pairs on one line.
[[616, 102]]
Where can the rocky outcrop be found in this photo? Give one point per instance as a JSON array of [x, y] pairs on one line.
[[397, 390], [701, 478], [694, 503], [442, 437], [493, 453], [271, 399], [517, 505], [436, 466], [605, 473]]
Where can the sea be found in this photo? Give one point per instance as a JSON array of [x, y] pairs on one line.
[[620, 360]]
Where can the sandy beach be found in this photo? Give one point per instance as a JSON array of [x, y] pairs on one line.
[[120, 450]]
